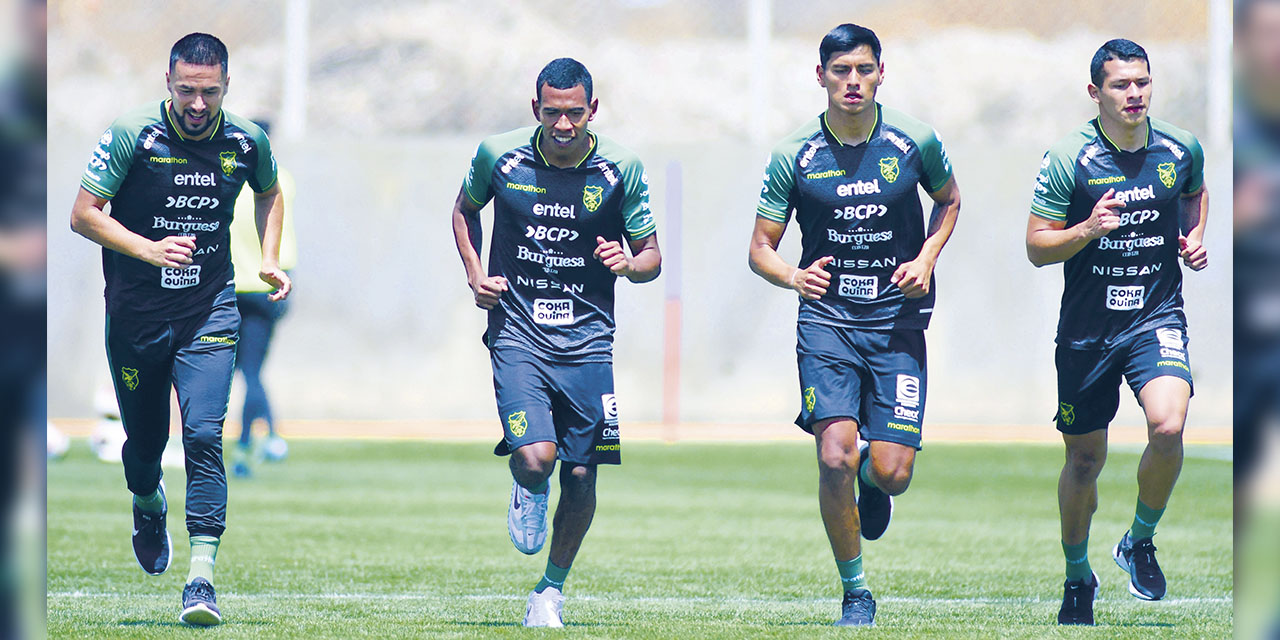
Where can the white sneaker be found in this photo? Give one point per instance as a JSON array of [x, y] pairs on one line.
[[527, 518], [544, 608]]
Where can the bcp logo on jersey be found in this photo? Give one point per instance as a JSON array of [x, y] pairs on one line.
[[517, 423], [889, 168], [180, 278], [1168, 174], [610, 404], [591, 196], [228, 160], [129, 377], [553, 312], [1125, 298]]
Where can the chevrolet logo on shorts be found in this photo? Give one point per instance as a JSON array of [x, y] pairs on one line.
[[591, 196], [1066, 413], [130, 378], [517, 424], [889, 168]]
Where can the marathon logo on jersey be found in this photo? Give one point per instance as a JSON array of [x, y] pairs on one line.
[[180, 278], [610, 404], [189, 224], [1129, 243], [1168, 174], [1171, 343], [859, 287], [1125, 298], [1107, 180], [1136, 194], [861, 187], [908, 398], [195, 180], [553, 312], [821, 175], [889, 169], [555, 210]]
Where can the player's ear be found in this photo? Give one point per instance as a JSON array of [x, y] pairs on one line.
[[1093, 92], [536, 116], [881, 74], [821, 81], [595, 104]]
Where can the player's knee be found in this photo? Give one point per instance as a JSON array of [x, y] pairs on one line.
[[202, 437], [1085, 463], [1166, 436], [531, 462], [893, 481], [577, 481], [836, 458]]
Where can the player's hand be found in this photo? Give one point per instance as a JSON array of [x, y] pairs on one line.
[[610, 253], [812, 283], [173, 251], [488, 290], [1193, 254], [913, 277], [278, 279], [1103, 219]]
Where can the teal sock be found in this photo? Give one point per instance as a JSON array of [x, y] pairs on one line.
[[1144, 521], [203, 551], [851, 574], [153, 503], [1077, 560], [553, 577], [864, 471]]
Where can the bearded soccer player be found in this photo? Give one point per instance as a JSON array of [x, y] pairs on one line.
[[565, 201], [1119, 201], [171, 171], [850, 178]]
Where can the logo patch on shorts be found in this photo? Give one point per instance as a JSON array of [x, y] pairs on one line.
[[908, 390], [610, 404], [129, 377], [810, 399], [517, 423], [1169, 338], [1066, 413]]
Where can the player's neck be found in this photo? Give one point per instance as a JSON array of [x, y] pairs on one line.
[[852, 128], [567, 158], [1124, 136]]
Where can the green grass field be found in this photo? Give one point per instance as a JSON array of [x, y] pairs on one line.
[[408, 539]]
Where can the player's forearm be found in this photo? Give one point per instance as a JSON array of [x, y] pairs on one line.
[[766, 263], [94, 224], [941, 224], [645, 265], [1195, 213], [1051, 246], [268, 212], [467, 235]]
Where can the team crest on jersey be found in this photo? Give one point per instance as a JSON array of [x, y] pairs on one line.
[[810, 399], [1066, 413], [889, 168], [130, 378], [1167, 174], [517, 423], [591, 196], [228, 159]]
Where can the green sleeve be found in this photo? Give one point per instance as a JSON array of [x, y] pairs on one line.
[[111, 159], [937, 167], [476, 185], [1054, 184], [264, 176], [1196, 181], [636, 214], [779, 179]]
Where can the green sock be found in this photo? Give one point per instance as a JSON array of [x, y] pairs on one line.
[[203, 550], [553, 577], [153, 503], [1144, 521], [542, 488], [864, 472], [851, 574], [1077, 560]]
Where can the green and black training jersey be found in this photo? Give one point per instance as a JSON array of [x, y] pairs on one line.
[[161, 184], [1128, 281], [560, 299], [857, 201]]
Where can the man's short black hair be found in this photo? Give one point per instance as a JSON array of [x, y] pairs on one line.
[[847, 37], [199, 48], [564, 73], [1117, 49]]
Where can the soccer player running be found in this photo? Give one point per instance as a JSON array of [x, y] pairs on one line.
[[1119, 201], [564, 199], [850, 177], [171, 170]]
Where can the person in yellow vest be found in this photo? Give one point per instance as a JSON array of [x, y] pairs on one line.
[[258, 318]]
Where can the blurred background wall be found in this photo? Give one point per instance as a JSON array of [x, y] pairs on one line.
[[378, 106]]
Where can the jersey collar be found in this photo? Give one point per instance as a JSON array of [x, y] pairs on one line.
[[870, 134], [537, 150], [177, 130], [1097, 123]]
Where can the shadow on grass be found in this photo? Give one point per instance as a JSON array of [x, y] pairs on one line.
[[567, 625], [174, 624]]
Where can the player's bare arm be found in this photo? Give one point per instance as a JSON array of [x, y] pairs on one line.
[[644, 264], [468, 235], [913, 277], [89, 219], [810, 283], [268, 214], [1050, 241], [1195, 213]]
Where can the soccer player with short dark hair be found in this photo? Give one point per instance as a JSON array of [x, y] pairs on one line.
[[564, 199], [850, 177], [171, 171], [1119, 201]]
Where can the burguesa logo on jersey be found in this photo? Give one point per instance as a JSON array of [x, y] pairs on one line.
[[1125, 298], [553, 312], [1130, 244], [180, 278]]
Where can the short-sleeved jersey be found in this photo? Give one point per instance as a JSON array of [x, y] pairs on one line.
[[161, 184], [546, 219], [857, 201], [1127, 281]]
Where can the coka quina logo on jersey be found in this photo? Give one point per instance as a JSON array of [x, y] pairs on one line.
[[1167, 174], [228, 159], [517, 423], [1066, 413], [130, 378], [810, 399], [889, 168], [591, 196]]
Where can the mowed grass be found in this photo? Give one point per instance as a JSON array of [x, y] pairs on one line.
[[397, 539]]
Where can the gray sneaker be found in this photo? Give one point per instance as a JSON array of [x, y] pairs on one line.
[[858, 609], [199, 604], [1138, 558], [527, 518], [151, 543]]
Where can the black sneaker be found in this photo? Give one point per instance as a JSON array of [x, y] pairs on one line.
[[858, 610], [151, 544], [1077, 601], [1138, 557], [199, 605], [875, 507]]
